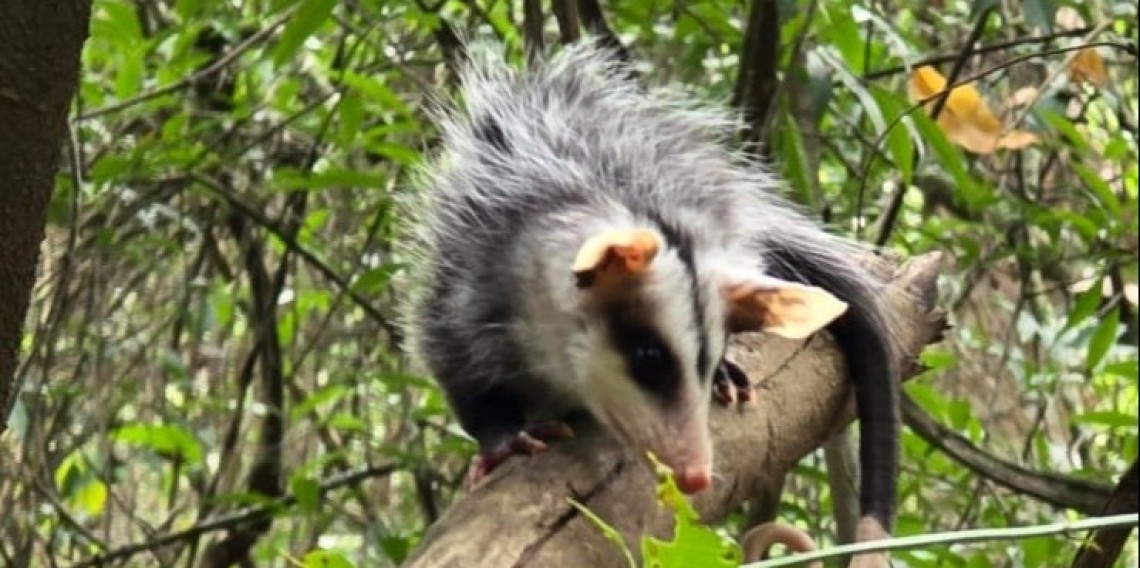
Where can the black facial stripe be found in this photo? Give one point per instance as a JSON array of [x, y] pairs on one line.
[[648, 358], [681, 241]]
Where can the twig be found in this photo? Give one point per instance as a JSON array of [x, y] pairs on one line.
[[980, 50], [233, 519], [222, 62], [955, 537], [890, 215]]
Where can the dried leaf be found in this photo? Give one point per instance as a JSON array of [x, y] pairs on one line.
[[966, 118], [1088, 67]]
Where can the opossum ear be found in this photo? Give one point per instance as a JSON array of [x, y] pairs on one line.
[[788, 309], [611, 256]]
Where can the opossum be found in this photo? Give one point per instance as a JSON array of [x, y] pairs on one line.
[[581, 243]]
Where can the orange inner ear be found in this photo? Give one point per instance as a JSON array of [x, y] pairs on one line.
[[790, 310], [615, 254]]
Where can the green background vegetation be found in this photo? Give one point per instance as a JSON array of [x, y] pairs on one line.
[[220, 240]]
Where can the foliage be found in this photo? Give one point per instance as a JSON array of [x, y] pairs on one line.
[[213, 325]]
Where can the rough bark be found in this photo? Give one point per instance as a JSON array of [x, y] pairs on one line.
[[40, 42], [520, 516]]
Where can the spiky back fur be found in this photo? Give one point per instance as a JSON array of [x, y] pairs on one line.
[[576, 128], [573, 131]]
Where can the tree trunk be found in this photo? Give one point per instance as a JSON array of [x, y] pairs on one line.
[[520, 515], [40, 42]]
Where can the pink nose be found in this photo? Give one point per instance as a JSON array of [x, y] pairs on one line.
[[693, 480]]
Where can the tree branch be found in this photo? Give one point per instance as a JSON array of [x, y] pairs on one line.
[[520, 515]]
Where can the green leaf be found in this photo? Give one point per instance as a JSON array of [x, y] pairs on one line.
[[325, 559], [935, 359], [841, 32], [1103, 338], [91, 498], [396, 548], [307, 492], [309, 17], [327, 394], [796, 169], [347, 422], [951, 158], [693, 544], [1085, 305], [1107, 418], [1129, 369], [331, 178], [373, 89], [351, 116], [1106, 198], [164, 439], [375, 280], [901, 132]]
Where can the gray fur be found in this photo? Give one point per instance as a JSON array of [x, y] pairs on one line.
[[576, 147]]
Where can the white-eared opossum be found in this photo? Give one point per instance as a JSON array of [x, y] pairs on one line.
[[580, 243]]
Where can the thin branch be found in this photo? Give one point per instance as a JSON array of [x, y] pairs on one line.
[[222, 62], [234, 519], [954, 538], [894, 202], [980, 50], [251, 212]]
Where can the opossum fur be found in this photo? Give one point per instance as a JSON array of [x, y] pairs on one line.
[[532, 165]]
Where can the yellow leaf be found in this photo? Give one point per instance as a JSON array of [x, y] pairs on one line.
[[966, 118], [1088, 67]]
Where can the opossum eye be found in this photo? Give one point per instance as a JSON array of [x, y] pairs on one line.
[[649, 362]]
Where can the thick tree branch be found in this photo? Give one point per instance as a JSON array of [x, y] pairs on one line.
[[520, 515]]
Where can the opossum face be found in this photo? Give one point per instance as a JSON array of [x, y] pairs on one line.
[[658, 322]]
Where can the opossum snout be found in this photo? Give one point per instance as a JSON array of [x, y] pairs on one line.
[[693, 480]]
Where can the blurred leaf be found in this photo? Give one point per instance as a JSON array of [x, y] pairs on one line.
[[307, 492], [163, 439], [1088, 67], [901, 131], [966, 118], [693, 543], [1085, 305], [327, 394], [325, 559], [91, 498], [347, 422], [309, 17], [373, 280], [1105, 197], [396, 548], [1103, 338], [1107, 418], [331, 178]]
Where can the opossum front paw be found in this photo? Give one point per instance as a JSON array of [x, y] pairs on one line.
[[731, 384], [528, 441]]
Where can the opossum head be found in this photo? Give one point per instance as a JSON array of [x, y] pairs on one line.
[[657, 319]]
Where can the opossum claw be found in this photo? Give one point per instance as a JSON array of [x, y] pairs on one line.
[[528, 441], [731, 384]]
